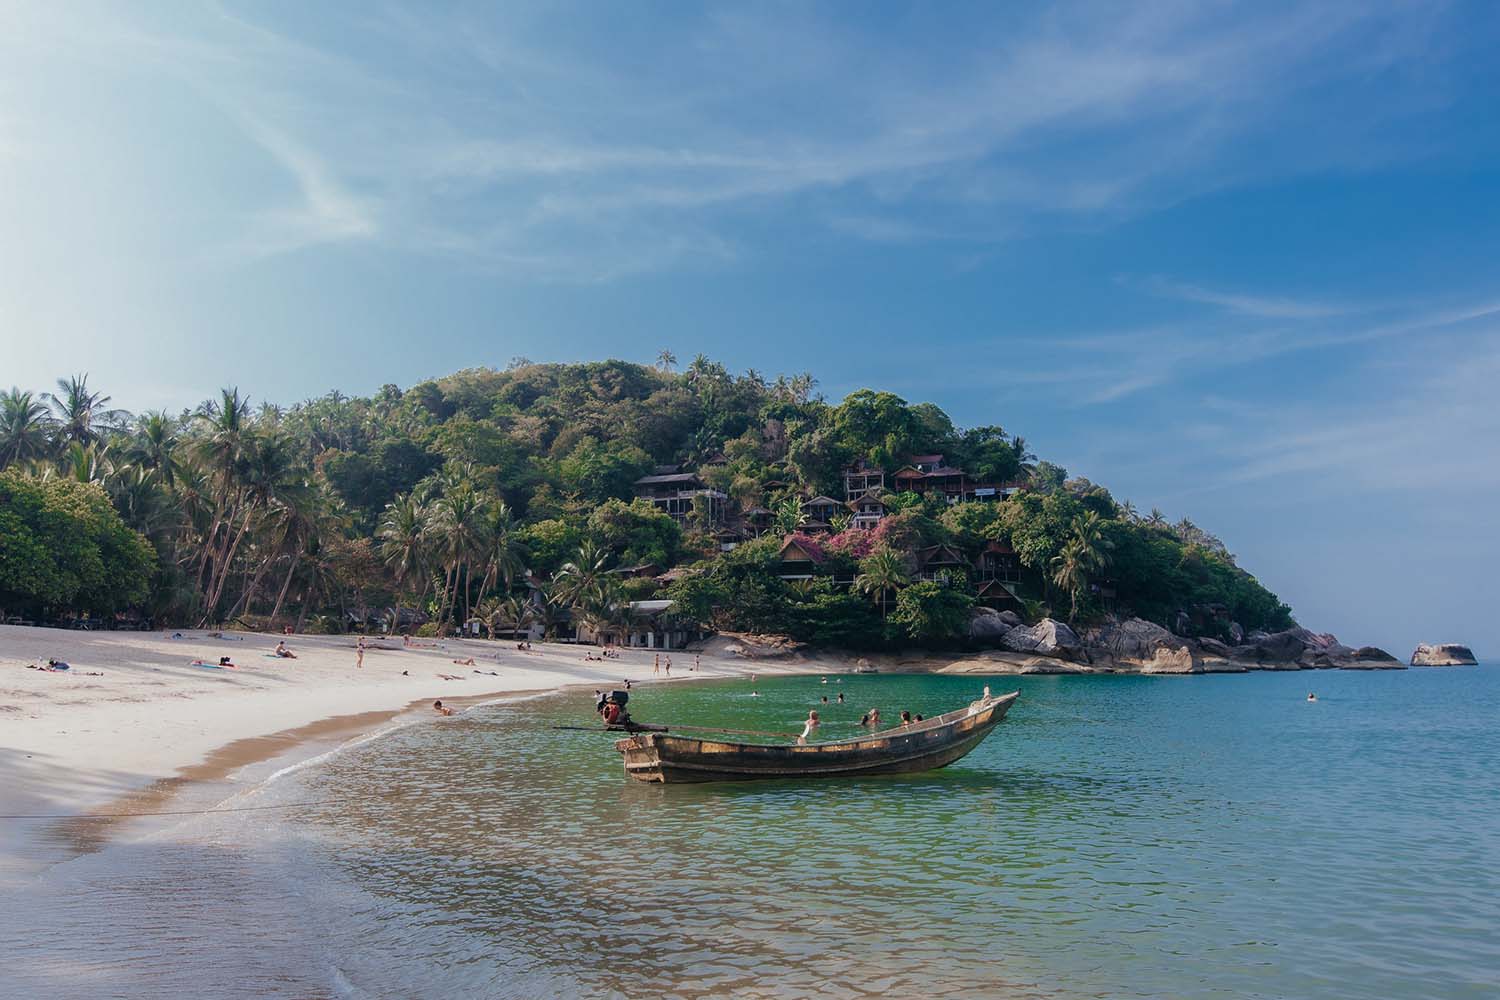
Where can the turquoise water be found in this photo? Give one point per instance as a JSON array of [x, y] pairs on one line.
[[1117, 837]]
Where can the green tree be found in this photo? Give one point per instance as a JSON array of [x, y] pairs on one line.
[[880, 573], [931, 612], [24, 427]]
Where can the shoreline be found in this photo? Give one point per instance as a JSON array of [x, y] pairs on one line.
[[86, 757]]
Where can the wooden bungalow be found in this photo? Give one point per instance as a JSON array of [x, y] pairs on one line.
[[1000, 596], [866, 511], [821, 508], [800, 558], [941, 564], [998, 561], [757, 521], [676, 493]]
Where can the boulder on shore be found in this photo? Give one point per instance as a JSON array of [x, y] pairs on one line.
[[1139, 644], [989, 625], [1448, 654], [1047, 637]]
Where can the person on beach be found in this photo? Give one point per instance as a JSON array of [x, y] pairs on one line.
[[667, 667], [464, 663], [283, 652], [359, 653], [808, 728], [697, 663], [656, 667], [57, 666], [440, 708]]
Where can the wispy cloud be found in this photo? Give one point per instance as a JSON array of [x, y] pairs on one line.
[[529, 134], [325, 212], [1265, 307]]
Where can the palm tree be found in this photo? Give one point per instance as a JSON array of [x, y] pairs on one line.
[[24, 427], [1024, 458], [504, 548], [221, 450], [577, 579], [403, 538], [1157, 519], [457, 530], [81, 414], [268, 471], [665, 360], [1087, 552], [880, 573], [307, 513], [1069, 575], [153, 447]]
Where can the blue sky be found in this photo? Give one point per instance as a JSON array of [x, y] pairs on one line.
[[1236, 261]]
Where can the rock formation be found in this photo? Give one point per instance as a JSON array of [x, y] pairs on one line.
[[1445, 655], [1046, 638]]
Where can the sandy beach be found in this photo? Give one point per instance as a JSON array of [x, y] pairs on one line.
[[133, 725]]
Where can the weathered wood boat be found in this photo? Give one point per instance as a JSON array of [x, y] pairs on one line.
[[922, 746]]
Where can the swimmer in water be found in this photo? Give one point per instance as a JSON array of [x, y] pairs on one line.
[[1311, 696]]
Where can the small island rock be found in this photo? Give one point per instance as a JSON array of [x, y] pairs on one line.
[[1449, 654]]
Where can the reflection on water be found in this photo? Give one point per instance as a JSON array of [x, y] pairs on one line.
[[1115, 837]]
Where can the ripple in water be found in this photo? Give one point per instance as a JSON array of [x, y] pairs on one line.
[[1123, 837]]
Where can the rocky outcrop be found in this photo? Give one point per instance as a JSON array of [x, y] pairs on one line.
[[1371, 658], [1448, 654], [989, 626], [1047, 637], [1136, 644]]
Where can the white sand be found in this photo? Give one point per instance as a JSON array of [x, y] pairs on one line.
[[71, 743]]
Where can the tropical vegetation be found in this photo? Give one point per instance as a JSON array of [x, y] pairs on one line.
[[505, 498]]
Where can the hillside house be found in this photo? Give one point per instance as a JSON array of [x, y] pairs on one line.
[[862, 478], [942, 564], [866, 511], [675, 493], [800, 558]]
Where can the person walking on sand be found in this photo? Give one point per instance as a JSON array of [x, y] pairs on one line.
[[359, 653], [656, 667], [697, 663], [667, 667]]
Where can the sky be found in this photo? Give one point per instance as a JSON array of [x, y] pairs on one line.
[[1235, 261]]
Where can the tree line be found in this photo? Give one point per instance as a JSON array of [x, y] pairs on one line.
[[505, 496]]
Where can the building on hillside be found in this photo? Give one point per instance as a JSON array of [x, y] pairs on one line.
[[822, 508], [650, 625], [942, 564], [998, 561], [866, 511], [1000, 596], [927, 463], [642, 571], [861, 478], [757, 521], [800, 558], [993, 491], [675, 494]]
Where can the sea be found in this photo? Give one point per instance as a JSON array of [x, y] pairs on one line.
[[1163, 837]]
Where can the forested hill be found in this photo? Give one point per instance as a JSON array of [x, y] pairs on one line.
[[560, 494]]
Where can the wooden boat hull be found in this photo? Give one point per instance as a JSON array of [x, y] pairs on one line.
[[934, 743]]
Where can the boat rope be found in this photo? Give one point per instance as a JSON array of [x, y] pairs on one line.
[[667, 727]]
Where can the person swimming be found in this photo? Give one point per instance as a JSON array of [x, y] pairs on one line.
[[440, 708], [808, 728], [1311, 696], [841, 697]]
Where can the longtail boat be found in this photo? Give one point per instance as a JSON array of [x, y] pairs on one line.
[[920, 746]]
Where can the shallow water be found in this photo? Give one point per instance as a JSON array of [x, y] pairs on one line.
[[1123, 837]]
